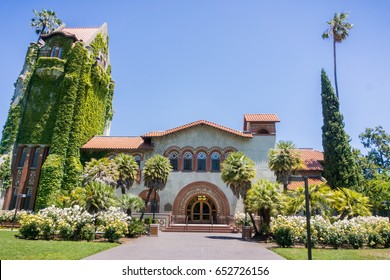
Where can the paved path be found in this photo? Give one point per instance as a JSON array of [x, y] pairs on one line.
[[188, 246]]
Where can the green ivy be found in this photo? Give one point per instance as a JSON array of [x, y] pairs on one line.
[[12, 123], [50, 180], [5, 172]]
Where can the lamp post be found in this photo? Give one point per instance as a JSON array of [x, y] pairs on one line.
[[18, 198], [307, 210]]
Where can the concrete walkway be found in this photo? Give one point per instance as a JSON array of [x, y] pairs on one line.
[[188, 246]]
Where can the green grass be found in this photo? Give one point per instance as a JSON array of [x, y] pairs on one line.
[[332, 254], [13, 248]]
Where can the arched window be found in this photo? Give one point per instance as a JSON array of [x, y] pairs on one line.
[[201, 160], [215, 162], [263, 131], [174, 160], [187, 162], [56, 51]]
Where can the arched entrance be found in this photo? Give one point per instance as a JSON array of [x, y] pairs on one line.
[[201, 203], [201, 210]]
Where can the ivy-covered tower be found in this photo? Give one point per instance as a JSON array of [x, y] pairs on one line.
[[62, 98]]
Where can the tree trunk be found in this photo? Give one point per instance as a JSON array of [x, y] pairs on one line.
[[146, 204], [257, 233], [335, 71]]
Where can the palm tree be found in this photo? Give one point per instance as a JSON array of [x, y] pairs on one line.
[[45, 22], [238, 171], [98, 197], [127, 169], [156, 173], [320, 200], [101, 170], [265, 199], [350, 203], [283, 161], [339, 30], [130, 202]]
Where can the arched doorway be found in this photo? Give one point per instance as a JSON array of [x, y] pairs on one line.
[[201, 210], [201, 202]]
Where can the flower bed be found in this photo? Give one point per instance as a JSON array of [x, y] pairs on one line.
[[74, 223], [354, 233]]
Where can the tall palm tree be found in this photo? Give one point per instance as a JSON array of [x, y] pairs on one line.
[[45, 22], [130, 202], [238, 171], [350, 203], [266, 200], [283, 160], [127, 169], [320, 200], [101, 170], [339, 30], [156, 173]]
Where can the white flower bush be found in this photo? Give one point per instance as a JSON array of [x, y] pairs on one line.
[[73, 223], [8, 215], [355, 233]]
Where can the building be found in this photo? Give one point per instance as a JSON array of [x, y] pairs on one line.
[[62, 98], [195, 192]]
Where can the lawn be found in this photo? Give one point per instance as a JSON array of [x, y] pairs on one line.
[[332, 254], [13, 248]]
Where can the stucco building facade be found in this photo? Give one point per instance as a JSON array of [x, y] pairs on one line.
[[195, 192]]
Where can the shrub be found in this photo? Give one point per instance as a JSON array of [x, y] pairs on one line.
[[335, 237], [284, 237], [87, 232], [355, 239], [136, 228], [30, 226], [115, 230], [65, 230], [47, 229]]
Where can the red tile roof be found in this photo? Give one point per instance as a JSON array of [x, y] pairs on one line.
[[193, 124], [311, 159], [82, 33], [117, 143], [296, 184], [261, 118]]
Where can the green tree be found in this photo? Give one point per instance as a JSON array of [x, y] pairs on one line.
[[340, 168], [377, 141], [101, 170], [156, 173], [338, 30], [283, 161], [349, 203], [45, 22], [127, 168], [99, 197], [265, 199], [377, 190], [238, 171], [130, 202], [320, 200]]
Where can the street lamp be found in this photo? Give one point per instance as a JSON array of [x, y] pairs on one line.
[[18, 198], [299, 178]]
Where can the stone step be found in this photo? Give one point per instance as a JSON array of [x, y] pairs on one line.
[[198, 228]]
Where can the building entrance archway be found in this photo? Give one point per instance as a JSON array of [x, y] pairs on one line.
[[201, 210], [201, 203]]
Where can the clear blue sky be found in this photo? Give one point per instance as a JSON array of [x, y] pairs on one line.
[[175, 62]]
